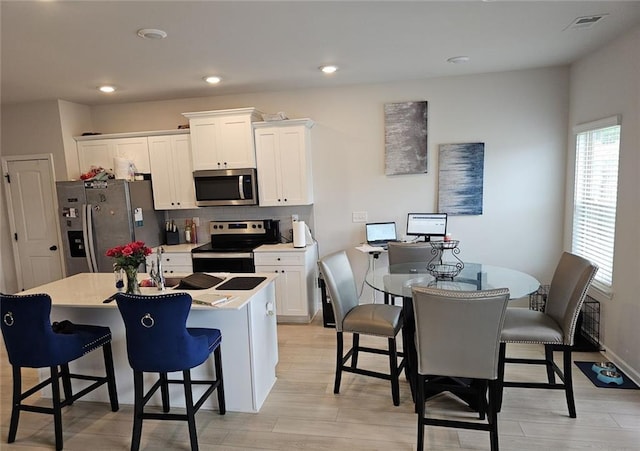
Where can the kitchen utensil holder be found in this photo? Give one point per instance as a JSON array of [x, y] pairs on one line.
[[173, 238]]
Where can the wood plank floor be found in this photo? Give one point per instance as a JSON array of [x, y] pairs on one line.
[[302, 413]]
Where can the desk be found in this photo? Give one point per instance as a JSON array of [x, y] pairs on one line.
[[397, 280]]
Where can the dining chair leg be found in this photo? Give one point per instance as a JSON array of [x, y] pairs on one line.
[[393, 371], [483, 407], [138, 408], [492, 414], [15, 408], [501, 363], [188, 400], [356, 349], [420, 410], [217, 356], [548, 356], [339, 346], [568, 381]]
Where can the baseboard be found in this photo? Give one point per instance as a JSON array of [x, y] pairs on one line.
[[620, 363]]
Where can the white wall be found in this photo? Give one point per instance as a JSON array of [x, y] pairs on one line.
[[75, 119], [27, 129], [520, 116], [604, 84]]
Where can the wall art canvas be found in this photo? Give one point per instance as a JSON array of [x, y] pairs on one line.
[[461, 178], [405, 138]]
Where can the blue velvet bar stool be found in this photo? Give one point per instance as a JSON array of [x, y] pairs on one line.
[[158, 341], [32, 342]]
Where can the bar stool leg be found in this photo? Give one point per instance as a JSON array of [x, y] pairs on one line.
[[57, 408], [15, 408], [191, 419], [138, 407], [111, 376], [164, 391], [66, 383], [217, 355]]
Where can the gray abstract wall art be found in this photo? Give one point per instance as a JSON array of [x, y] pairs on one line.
[[461, 178], [405, 138]]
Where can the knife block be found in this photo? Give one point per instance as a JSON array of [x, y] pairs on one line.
[[172, 237]]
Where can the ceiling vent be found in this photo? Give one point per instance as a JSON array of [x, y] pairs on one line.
[[582, 23]]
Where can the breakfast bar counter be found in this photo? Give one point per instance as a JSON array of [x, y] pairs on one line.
[[247, 322]]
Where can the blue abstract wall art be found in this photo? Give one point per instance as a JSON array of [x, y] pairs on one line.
[[405, 138], [461, 178]]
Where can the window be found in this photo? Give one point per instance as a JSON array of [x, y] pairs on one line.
[[595, 196]]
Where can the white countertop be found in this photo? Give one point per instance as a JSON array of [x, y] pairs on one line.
[[90, 289], [280, 247], [176, 248]]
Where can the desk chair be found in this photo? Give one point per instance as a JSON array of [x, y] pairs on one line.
[[553, 328], [406, 253], [368, 319], [158, 341], [458, 336], [32, 342]]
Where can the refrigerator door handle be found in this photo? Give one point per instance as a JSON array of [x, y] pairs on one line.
[[87, 229]]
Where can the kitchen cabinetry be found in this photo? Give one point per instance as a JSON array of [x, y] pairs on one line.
[[283, 156], [223, 139], [101, 151], [296, 285], [175, 259], [171, 173]]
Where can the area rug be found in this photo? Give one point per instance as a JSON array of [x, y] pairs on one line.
[[585, 367]]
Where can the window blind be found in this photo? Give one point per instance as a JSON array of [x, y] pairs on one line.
[[595, 196]]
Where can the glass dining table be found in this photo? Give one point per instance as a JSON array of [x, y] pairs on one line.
[[398, 280]]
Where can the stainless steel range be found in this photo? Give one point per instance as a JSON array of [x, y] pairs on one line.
[[232, 244]]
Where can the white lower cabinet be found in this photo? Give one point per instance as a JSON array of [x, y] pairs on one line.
[[173, 262], [296, 285]]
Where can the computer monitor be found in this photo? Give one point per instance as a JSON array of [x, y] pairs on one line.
[[380, 233], [427, 225]]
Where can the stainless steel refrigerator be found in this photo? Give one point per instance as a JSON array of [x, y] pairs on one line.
[[98, 215]]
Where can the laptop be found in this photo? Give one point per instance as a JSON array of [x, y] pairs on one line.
[[379, 234]]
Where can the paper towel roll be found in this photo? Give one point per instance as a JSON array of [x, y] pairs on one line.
[[122, 168], [299, 239]]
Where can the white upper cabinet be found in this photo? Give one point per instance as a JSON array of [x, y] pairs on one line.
[[223, 139], [102, 152], [283, 155], [171, 174]]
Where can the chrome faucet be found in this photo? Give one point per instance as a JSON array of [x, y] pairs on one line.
[[156, 273]]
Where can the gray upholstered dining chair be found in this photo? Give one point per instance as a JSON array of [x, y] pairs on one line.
[[458, 337], [406, 253], [367, 319], [554, 327]]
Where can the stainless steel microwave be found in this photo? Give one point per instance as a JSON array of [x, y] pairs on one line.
[[226, 187]]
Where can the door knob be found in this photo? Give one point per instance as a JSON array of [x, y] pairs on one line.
[[53, 248]]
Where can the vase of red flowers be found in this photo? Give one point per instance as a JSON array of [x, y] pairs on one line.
[[128, 258]]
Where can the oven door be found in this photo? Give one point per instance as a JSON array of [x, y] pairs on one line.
[[223, 262]]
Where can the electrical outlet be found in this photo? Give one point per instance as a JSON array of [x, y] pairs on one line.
[[359, 216], [294, 218], [196, 221]]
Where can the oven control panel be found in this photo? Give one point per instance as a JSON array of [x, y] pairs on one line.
[[234, 228]]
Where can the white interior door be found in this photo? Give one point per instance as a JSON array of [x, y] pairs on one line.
[[33, 221]]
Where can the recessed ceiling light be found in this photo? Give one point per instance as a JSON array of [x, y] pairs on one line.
[[458, 59], [152, 33], [106, 89], [214, 79], [329, 69]]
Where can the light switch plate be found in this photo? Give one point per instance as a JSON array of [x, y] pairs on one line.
[[359, 216]]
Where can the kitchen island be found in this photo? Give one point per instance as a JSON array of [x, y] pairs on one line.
[[247, 322]]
